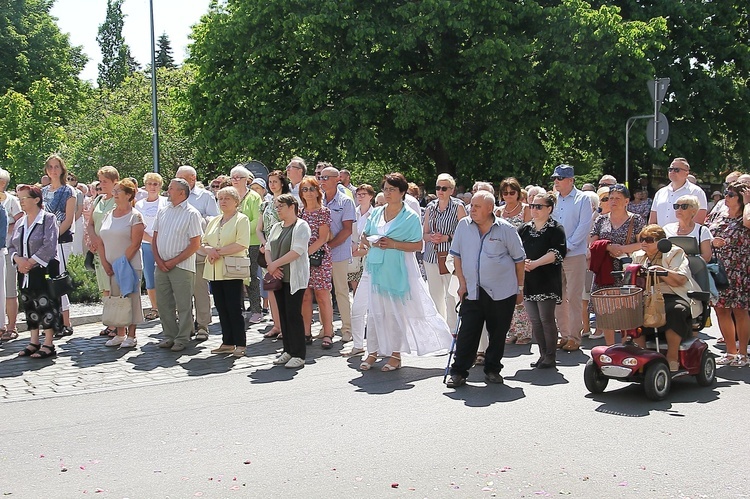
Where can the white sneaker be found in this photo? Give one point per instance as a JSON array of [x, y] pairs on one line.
[[294, 363], [115, 342], [595, 336], [129, 342], [282, 359]]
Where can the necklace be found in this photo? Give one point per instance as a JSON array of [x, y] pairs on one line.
[[680, 230], [509, 213]]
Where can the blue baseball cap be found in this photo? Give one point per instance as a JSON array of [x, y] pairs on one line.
[[563, 171]]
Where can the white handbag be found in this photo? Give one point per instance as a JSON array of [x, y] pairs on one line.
[[354, 264], [236, 267], [117, 311]]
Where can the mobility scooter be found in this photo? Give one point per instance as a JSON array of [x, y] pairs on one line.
[[622, 309]]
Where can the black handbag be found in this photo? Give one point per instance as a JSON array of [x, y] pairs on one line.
[[88, 262], [316, 259], [61, 284], [719, 273]]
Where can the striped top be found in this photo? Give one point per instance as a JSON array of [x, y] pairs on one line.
[[173, 229], [444, 222]]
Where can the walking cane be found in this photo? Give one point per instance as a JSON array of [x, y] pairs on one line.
[[453, 343]]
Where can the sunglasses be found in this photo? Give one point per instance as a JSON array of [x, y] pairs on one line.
[[508, 193], [604, 199], [323, 177], [213, 186], [605, 185], [441, 188], [535, 206], [98, 189], [557, 178], [730, 194], [681, 206], [672, 169], [649, 240], [308, 189]]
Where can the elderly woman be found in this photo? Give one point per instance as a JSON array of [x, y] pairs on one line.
[[60, 200], [544, 243], [287, 259], [148, 207], [33, 249], [614, 235], [121, 234], [103, 204], [680, 309], [278, 184], [402, 317], [686, 207], [14, 213], [318, 218], [227, 235], [731, 230], [517, 213], [641, 204], [365, 195], [440, 220]]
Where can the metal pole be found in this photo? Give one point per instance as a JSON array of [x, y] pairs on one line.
[[628, 125], [656, 113], [154, 109]]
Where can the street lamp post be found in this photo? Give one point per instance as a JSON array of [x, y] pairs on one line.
[[154, 109]]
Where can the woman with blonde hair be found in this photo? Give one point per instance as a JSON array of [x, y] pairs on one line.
[[686, 207], [148, 207]]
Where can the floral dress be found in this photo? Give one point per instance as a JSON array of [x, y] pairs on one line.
[[520, 328], [320, 277], [604, 230], [735, 255]]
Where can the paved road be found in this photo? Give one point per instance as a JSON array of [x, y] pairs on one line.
[[150, 423]]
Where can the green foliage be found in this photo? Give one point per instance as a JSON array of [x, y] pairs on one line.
[[477, 89], [116, 128], [117, 63], [85, 289], [164, 57]]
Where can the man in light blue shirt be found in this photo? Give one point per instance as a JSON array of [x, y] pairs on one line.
[[573, 212], [489, 264]]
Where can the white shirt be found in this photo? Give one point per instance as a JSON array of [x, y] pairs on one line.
[[149, 210], [174, 227], [667, 196]]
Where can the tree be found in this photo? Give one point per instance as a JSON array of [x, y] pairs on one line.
[[479, 89], [117, 62], [164, 57]]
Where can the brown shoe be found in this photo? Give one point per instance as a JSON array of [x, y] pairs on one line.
[[166, 344], [571, 345], [562, 342]]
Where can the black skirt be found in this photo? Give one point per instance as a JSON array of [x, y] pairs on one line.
[[679, 318]]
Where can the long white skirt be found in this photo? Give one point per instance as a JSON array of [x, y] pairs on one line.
[[411, 326]]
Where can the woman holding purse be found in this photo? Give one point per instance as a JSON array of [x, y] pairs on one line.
[[286, 255], [227, 236], [121, 234], [33, 249]]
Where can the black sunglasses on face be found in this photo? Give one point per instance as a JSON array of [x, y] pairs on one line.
[[674, 170], [604, 200], [535, 206], [605, 185], [730, 194], [441, 188], [649, 240], [681, 206]]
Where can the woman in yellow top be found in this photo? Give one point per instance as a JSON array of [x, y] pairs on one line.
[[227, 235]]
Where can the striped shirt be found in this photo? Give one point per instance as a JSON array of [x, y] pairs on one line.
[[444, 222], [173, 229]]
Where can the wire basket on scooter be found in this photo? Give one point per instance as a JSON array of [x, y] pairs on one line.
[[618, 308]]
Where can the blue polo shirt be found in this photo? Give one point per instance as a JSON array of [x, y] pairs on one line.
[[342, 209], [488, 261], [573, 212]]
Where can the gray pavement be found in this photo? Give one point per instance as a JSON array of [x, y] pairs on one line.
[[152, 423]]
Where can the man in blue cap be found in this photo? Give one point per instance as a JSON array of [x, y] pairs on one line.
[[573, 212]]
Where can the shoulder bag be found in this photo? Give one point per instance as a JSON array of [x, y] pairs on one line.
[[718, 272], [235, 267], [654, 312], [270, 283], [61, 284]]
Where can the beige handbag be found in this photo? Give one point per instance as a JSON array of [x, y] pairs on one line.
[[654, 312], [117, 311], [236, 267]]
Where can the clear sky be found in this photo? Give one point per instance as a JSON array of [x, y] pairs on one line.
[[81, 19]]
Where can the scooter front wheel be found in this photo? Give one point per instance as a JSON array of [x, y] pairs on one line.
[[657, 381], [707, 375], [595, 381]]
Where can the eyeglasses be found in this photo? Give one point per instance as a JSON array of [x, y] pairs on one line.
[[308, 189], [293, 167], [24, 197], [441, 188], [362, 194], [116, 191], [557, 178], [649, 240], [604, 199], [730, 194], [681, 206], [324, 177], [535, 206], [390, 189], [238, 178], [672, 169], [156, 184], [508, 193], [604, 184]]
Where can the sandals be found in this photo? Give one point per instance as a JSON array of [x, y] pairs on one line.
[[8, 334], [327, 343], [273, 333], [108, 331], [480, 359], [308, 340], [65, 331], [151, 315], [392, 367], [30, 349], [509, 340], [44, 352], [366, 365], [523, 340]]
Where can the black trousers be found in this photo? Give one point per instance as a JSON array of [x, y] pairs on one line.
[[228, 301], [497, 315], [290, 316]]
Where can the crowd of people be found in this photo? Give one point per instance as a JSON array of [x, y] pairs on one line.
[[521, 262]]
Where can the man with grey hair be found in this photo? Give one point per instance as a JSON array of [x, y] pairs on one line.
[[177, 236], [607, 181], [13, 209], [346, 180], [295, 171], [342, 218], [205, 203]]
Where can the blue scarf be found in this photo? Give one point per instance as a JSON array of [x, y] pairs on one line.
[[387, 267]]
